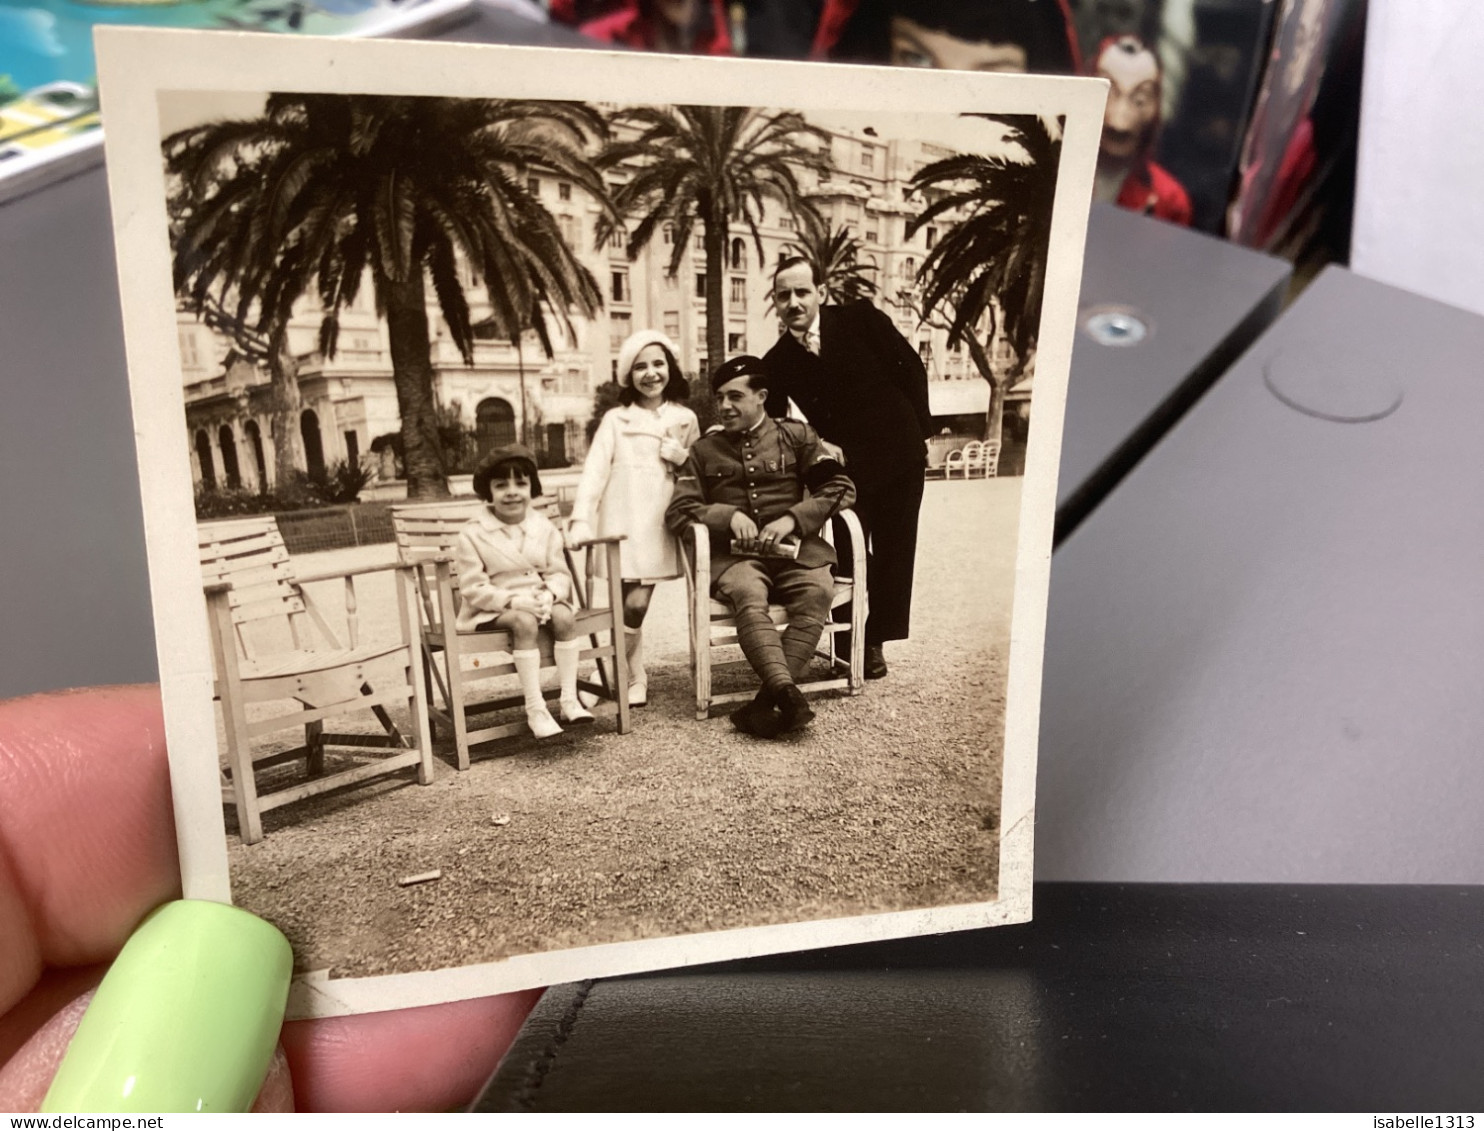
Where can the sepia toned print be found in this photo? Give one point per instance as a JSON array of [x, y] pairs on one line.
[[494, 392]]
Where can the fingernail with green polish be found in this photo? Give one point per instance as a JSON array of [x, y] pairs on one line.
[[186, 1018]]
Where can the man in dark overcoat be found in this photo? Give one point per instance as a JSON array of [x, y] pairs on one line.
[[863, 388]]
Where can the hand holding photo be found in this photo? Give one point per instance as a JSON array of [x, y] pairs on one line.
[[534, 501]]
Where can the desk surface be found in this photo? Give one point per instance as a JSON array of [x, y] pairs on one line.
[[1117, 998], [1202, 302], [1264, 648]]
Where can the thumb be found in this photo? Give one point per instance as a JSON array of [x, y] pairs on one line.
[[25, 1078]]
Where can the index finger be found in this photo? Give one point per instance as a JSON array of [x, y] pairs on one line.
[[87, 836]]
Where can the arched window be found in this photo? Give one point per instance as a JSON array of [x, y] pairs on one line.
[[230, 471], [314, 451], [203, 457], [494, 425], [909, 267], [739, 255], [255, 440]]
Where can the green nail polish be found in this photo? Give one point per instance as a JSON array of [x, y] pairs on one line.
[[186, 1018]]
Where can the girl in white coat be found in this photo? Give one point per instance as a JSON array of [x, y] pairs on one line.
[[629, 476]]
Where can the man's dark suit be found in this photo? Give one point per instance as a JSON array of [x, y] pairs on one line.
[[867, 392]]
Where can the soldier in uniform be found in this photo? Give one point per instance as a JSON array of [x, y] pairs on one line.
[[764, 488]]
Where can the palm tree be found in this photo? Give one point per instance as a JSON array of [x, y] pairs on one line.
[[835, 254], [716, 163], [991, 264], [323, 189]]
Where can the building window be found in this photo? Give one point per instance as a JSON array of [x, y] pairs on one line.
[[533, 186], [870, 235], [925, 351], [190, 355], [619, 290], [739, 292], [618, 239], [672, 324], [738, 256], [255, 441], [203, 458], [613, 369], [564, 191], [571, 233], [228, 442], [788, 224], [352, 449], [701, 242], [909, 267], [574, 383], [700, 284], [932, 236], [669, 235], [736, 343], [620, 326], [868, 158]]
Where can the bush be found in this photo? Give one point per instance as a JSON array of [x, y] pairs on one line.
[[337, 485], [341, 482]]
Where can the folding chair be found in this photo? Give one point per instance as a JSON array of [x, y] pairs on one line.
[[712, 625], [991, 459], [426, 534], [256, 604], [974, 459]]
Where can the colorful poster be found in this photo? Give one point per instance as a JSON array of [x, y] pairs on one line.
[[48, 90]]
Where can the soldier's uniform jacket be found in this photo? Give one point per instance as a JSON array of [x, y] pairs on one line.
[[777, 468]]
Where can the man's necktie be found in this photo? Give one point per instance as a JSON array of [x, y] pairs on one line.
[[811, 342]]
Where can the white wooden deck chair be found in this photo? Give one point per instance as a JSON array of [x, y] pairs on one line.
[[425, 534], [954, 463], [273, 644], [712, 626]]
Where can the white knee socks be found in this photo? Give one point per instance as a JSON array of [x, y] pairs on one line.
[[633, 639], [528, 670], [566, 653]]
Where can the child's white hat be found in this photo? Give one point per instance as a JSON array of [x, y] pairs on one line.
[[638, 341]]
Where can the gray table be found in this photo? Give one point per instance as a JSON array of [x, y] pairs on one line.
[[1199, 301], [1264, 649]]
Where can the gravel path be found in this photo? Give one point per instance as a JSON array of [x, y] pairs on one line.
[[887, 802]]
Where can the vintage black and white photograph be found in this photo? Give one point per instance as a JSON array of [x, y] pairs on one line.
[[590, 514]]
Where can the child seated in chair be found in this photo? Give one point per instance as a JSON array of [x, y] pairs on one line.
[[513, 578]]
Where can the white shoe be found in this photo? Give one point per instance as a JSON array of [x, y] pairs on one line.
[[638, 694], [541, 723], [574, 712]]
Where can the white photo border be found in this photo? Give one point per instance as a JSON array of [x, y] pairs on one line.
[[136, 65]]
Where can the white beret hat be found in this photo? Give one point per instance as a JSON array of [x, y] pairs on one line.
[[636, 342]]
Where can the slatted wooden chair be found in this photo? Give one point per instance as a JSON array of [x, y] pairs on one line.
[[426, 533], [273, 644], [954, 463], [712, 626]]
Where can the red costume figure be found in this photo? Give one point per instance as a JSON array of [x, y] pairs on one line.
[[697, 27], [1009, 36], [1126, 172]]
